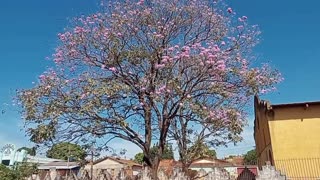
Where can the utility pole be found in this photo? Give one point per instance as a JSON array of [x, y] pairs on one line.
[[91, 169], [68, 161], [91, 165]]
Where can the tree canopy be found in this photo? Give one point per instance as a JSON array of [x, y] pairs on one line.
[[146, 71], [6, 173], [31, 151], [167, 154], [20, 171], [67, 150], [251, 158], [138, 158], [201, 150]]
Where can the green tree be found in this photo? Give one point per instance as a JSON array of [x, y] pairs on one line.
[[251, 158], [7, 174], [138, 158], [211, 153], [19, 171], [201, 150], [65, 150], [30, 151], [167, 154], [25, 169]]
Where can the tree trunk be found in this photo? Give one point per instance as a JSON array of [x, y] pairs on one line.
[[154, 170], [153, 165]]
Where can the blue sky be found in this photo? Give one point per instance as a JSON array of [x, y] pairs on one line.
[[290, 42]]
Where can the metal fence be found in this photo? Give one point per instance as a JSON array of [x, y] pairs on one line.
[[306, 168]]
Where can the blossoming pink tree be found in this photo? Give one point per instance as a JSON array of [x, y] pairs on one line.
[[146, 72]]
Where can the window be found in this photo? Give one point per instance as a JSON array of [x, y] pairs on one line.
[[6, 162]]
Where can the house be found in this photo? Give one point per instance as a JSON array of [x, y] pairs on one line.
[[287, 135], [208, 164], [113, 166], [234, 169], [61, 169]]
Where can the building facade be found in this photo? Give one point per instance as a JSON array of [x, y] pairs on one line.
[[9, 155], [288, 136], [113, 166], [58, 169]]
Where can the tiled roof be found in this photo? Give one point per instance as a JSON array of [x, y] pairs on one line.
[[59, 165], [119, 160], [237, 160], [213, 163]]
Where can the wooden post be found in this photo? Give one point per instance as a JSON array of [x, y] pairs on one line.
[[91, 169]]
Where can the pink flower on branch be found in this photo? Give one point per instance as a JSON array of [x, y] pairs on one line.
[[113, 69], [159, 66], [42, 77], [78, 30]]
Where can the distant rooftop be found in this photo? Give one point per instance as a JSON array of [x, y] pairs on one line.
[[119, 160], [41, 160], [59, 165]]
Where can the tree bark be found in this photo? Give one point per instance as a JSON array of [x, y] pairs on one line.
[[154, 170]]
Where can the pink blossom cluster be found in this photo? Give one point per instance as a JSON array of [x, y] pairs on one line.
[[225, 115], [162, 89], [91, 40], [49, 75], [58, 56]]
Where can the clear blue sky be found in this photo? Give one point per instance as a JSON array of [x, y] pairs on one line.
[[290, 42]]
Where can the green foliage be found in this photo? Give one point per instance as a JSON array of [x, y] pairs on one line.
[[30, 151], [231, 156], [212, 153], [19, 172], [67, 150], [25, 169], [201, 150], [138, 158], [7, 174], [250, 158], [167, 154]]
